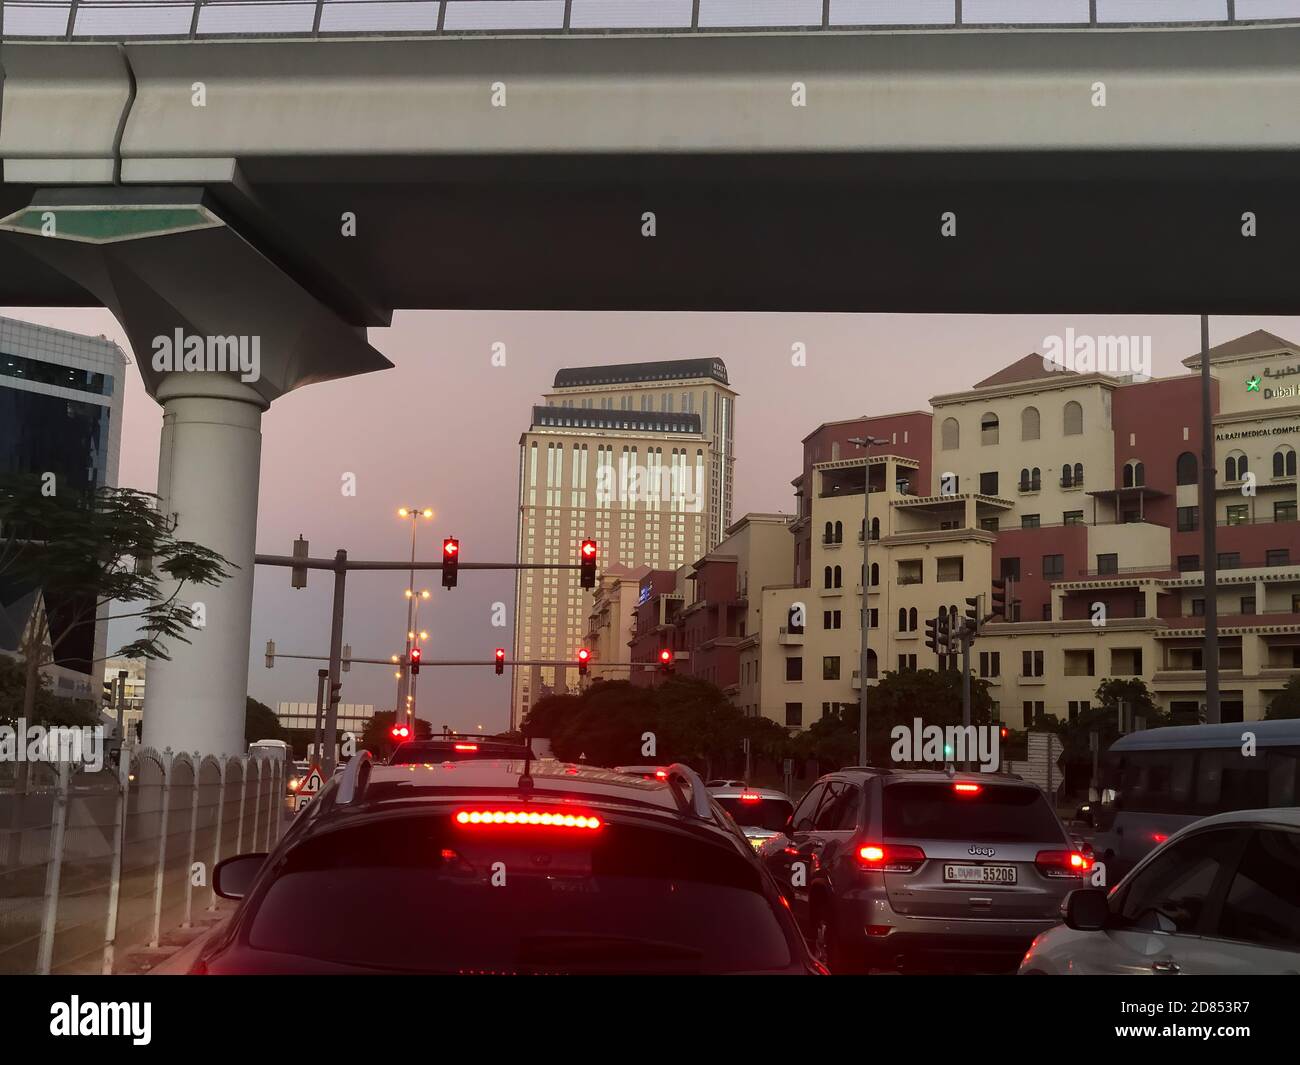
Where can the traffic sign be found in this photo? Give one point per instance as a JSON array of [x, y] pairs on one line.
[[311, 784]]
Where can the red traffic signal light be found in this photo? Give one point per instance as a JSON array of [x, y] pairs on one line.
[[400, 732], [415, 661], [450, 559], [501, 660], [584, 656], [587, 564], [665, 661]]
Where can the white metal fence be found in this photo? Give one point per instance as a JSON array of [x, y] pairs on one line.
[[95, 863]]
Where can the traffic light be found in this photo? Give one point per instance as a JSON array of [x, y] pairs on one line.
[[998, 600], [336, 690], [584, 656], [415, 661], [270, 654], [450, 561], [298, 574], [501, 661], [973, 610], [110, 689], [588, 563], [943, 631], [932, 634], [665, 661], [400, 732]]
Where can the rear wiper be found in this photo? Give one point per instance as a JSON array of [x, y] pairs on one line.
[[549, 948]]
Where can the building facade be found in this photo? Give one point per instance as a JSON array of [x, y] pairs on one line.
[[1083, 491], [609, 622], [639, 457], [60, 414]]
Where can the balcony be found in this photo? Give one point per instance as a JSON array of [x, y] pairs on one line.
[[788, 637]]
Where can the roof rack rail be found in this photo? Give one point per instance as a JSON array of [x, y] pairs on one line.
[[866, 768], [698, 803], [356, 775]]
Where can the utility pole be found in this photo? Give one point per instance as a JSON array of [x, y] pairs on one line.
[[336, 660], [967, 638], [866, 443], [1209, 536], [322, 679]]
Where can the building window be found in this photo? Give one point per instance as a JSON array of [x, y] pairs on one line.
[[1072, 419], [1277, 556], [1284, 511], [1188, 563], [1248, 604], [907, 663], [1185, 468], [1189, 519], [826, 577], [950, 569], [1009, 568], [949, 435], [1239, 514], [1236, 467], [1029, 521], [1229, 560], [839, 577], [989, 484], [1198, 608], [875, 574], [1073, 517], [1047, 611], [1033, 713], [1284, 462], [874, 618], [989, 524], [1053, 566], [1135, 474], [794, 715], [1031, 663], [990, 663], [1108, 563], [1077, 707], [1029, 423], [831, 667], [989, 428], [1031, 480], [794, 669]]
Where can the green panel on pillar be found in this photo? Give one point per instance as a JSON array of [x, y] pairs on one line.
[[110, 223]]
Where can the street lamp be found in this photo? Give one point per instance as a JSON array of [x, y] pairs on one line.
[[412, 514], [866, 443]]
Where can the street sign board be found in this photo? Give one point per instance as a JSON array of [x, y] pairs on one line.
[[311, 785]]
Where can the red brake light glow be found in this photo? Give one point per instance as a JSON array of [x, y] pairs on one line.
[[661, 774], [1159, 837], [549, 819], [467, 746], [890, 858], [967, 789], [750, 796], [1062, 863]]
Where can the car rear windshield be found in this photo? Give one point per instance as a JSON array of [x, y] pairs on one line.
[[419, 753], [761, 813], [994, 813], [424, 894]]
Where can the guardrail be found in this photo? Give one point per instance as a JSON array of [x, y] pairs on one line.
[[143, 20]]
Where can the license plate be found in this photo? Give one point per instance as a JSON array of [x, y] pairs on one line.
[[979, 874]]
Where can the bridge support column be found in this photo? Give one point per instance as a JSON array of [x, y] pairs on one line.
[[208, 469]]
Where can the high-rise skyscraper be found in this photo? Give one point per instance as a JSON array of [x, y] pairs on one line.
[[639, 457]]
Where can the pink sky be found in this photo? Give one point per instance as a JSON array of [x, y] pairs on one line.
[[441, 429]]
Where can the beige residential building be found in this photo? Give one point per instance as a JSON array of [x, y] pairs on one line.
[[610, 621], [640, 458]]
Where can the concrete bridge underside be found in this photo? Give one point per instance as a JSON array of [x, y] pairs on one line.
[[1060, 204]]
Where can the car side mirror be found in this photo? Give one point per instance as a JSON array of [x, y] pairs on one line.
[[232, 878], [1086, 910]]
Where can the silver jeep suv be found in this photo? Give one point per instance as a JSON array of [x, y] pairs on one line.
[[897, 869]]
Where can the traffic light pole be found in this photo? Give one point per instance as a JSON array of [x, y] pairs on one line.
[[967, 638], [336, 660]]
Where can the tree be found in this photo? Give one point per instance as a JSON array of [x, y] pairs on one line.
[[48, 708], [1286, 703], [261, 723], [85, 550]]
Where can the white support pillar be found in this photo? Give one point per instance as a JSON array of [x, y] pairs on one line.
[[208, 472]]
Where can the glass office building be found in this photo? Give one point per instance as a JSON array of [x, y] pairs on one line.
[[60, 413]]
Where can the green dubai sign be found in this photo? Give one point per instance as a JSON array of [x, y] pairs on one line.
[[110, 223]]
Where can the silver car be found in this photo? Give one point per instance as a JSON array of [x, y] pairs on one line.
[[1221, 896], [761, 813]]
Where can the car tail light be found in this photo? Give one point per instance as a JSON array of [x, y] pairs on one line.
[[1062, 863], [467, 746], [890, 858], [529, 818], [1159, 837], [750, 796], [660, 774], [962, 788]]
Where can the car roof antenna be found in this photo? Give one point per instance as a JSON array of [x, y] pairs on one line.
[[526, 778]]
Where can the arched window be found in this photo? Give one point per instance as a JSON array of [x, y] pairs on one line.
[[989, 428], [1067, 476], [830, 533], [1073, 420], [1236, 467], [875, 574], [1128, 475], [911, 620], [949, 435], [875, 528], [1135, 474], [1185, 471], [1024, 480], [872, 669], [827, 578], [902, 619], [839, 577], [1078, 473], [839, 532], [1035, 479], [1284, 462], [1030, 423]]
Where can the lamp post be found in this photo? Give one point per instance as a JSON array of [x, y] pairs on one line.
[[414, 514], [866, 443]]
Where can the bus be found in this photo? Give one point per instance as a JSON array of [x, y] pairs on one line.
[[1155, 781]]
